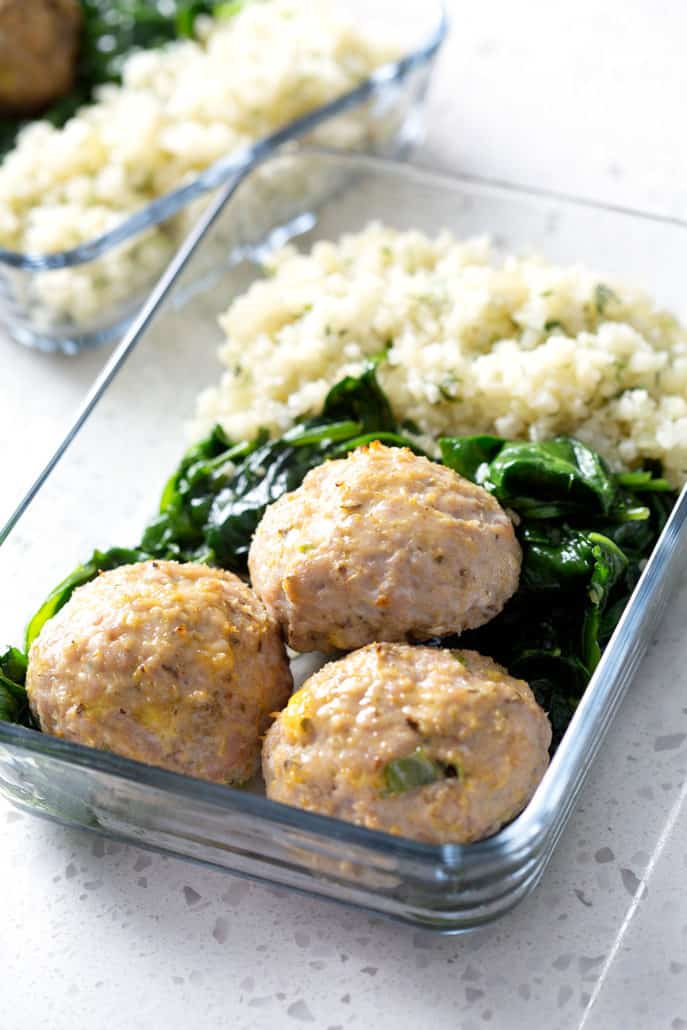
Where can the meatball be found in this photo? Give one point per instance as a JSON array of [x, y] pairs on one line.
[[39, 43], [176, 665], [383, 545], [437, 745]]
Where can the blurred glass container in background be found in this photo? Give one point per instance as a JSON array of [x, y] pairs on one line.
[[88, 294]]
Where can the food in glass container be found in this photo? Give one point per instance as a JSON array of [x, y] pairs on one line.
[[576, 531], [176, 665], [95, 37], [383, 545], [434, 744], [584, 531], [253, 68], [474, 342], [447, 888]]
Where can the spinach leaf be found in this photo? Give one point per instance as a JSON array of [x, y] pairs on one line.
[[13, 665], [549, 479], [14, 703], [556, 559], [177, 531], [643, 480], [468, 454], [609, 565], [100, 561], [266, 474], [361, 398], [560, 559], [414, 770], [10, 707]]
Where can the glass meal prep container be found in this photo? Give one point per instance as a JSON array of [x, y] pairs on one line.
[[48, 301], [103, 488]]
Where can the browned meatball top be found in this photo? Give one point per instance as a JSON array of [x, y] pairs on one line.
[[383, 545], [351, 738], [175, 665]]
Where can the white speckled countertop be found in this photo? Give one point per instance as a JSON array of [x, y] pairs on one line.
[[583, 98]]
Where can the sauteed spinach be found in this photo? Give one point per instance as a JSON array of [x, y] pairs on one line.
[[585, 532], [14, 704]]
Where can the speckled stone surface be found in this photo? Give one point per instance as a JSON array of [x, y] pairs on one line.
[[96, 934]]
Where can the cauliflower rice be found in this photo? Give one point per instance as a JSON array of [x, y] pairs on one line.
[[517, 347]]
